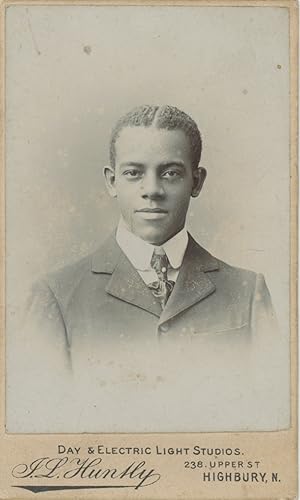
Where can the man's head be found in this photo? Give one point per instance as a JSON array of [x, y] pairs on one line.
[[155, 153]]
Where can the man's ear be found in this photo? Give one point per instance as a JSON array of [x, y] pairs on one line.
[[109, 175], [199, 176]]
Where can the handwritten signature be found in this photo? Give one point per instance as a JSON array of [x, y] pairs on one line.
[[137, 473]]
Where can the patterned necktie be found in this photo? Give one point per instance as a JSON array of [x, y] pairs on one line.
[[162, 288]]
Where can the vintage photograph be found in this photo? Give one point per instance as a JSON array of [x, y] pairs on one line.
[[147, 219]]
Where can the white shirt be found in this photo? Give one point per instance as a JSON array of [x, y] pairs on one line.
[[139, 252]]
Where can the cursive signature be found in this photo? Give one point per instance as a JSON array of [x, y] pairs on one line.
[[137, 473]]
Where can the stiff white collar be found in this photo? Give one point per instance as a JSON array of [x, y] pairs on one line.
[[139, 252]]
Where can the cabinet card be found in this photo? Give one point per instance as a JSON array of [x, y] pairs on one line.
[[149, 249]]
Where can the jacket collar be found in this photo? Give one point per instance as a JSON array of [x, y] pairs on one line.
[[192, 284], [125, 282], [106, 258]]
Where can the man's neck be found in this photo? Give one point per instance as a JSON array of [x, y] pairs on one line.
[[139, 251]]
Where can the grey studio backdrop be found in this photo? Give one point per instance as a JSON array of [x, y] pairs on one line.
[[71, 71]]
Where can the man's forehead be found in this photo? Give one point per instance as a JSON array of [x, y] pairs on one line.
[[135, 141]]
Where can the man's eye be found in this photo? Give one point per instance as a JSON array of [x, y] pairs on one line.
[[171, 174], [132, 173]]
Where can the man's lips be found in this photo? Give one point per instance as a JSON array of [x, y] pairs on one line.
[[151, 214], [152, 210]]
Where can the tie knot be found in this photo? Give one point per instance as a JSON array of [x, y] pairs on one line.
[[162, 288], [160, 262]]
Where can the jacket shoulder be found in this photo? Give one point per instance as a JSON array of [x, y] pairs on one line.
[[235, 271], [207, 262], [237, 281], [63, 281]]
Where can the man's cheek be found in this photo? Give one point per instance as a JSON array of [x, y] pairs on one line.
[[179, 207]]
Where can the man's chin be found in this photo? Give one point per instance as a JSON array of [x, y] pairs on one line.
[[153, 236]]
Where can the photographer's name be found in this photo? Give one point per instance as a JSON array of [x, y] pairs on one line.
[[135, 475]]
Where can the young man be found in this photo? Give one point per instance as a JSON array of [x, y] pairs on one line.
[[151, 286], [151, 279]]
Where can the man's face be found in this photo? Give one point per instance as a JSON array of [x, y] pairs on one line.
[[153, 181]]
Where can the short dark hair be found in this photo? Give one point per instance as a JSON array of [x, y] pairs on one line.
[[162, 117]]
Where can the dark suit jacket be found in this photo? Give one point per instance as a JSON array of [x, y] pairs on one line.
[[216, 339], [103, 299]]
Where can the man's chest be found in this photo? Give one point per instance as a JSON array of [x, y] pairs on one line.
[[103, 320]]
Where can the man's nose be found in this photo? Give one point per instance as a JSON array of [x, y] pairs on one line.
[[152, 186]]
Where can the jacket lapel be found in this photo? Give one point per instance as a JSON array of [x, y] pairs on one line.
[[125, 282], [192, 284]]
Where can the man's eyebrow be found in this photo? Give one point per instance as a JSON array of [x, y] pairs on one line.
[[163, 164], [176, 163], [132, 164]]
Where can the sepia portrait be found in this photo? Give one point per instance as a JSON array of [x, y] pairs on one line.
[[148, 219]]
